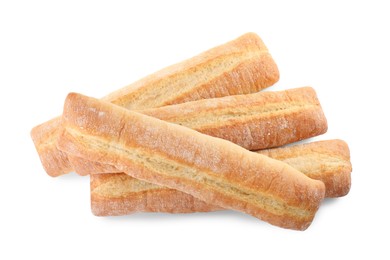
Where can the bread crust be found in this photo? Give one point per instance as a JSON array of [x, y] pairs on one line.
[[115, 194], [210, 169], [327, 161], [119, 194], [241, 66], [54, 161], [253, 121]]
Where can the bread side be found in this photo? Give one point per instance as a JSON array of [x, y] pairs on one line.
[[116, 194], [44, 136], [327, 161], [211, 169], [120, 194], [241, 66], [85, 167], [253, 121]]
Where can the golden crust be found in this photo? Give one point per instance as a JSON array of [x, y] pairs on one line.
[[327, 161], [238, 67], [127, 200], [85, 167], [44, 136], [211, 169], [241, 66], [115, 194], [253, 121]]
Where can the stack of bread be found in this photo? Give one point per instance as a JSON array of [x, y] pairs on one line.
[[201, 136]]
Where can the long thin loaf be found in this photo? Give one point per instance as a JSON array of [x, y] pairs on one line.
[[120, 194], [253, 121], [241, 66], [117, 194], [327, 161], [208, 168]]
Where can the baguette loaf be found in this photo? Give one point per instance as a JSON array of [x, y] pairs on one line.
[[120, 194], [211, 169], [253, 121], [327, 161], [241, 66], [117, 194]]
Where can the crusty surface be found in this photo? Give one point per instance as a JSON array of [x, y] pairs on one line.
[[211, 169], [117, 194], [327, 161], [120, 194], [44, 136], [85, 167], [254, 121], [241, 66]]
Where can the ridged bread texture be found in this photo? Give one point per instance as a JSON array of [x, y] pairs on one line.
[[120, 194], [327, 161], [241, 66], [253, 121], [117, 194], [211, 169]]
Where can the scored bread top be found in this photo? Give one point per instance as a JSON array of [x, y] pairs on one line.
[[209, 168], [253, 121], [241, 66], [237, 67], [118, 193]]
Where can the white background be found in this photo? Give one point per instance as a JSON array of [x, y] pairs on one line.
[[48, 49]]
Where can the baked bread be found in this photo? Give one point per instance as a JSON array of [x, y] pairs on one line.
[[253, 121], [327, 161], [117, 194], [120, 194], [211, 169], [241, 66]]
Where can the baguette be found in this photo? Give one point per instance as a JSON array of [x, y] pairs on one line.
[[241, 66], [120, 194], [117, 194], [211, 169], [327, 161], [253, 121]]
